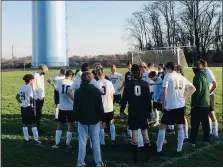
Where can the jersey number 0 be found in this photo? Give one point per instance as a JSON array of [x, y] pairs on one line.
[[137, 90]]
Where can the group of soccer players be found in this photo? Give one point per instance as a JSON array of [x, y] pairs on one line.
[[149, 93]]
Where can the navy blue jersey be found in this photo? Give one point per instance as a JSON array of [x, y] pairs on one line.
[[136, 93], [128, 75]]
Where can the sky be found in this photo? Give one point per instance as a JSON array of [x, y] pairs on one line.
[[94, 27]]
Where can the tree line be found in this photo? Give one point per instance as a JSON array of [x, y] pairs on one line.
[[192, 23]]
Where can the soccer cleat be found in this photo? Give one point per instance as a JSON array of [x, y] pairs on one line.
[[113, 144], [37, 143], [100, 164], [27, 142], [68, 146], [178, 154], [56, 146]]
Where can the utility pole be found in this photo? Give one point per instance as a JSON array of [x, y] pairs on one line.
[[12, 58]]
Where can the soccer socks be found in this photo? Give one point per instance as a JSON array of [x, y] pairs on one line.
[[185, 131], [156, 116], [180, 140], [134, 153], [215, 128], [69, 137], [35, 133], [210, 123], [160, 140], [56, 112], [57, 137], [171, 127], [102, 136], [140, 139], [112, 132], [25, 133]]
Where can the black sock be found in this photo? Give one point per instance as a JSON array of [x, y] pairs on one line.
[[148, 151], [134, 153]]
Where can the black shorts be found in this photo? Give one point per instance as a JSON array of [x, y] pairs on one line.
[[28, 116], [66, 116], [211, 107], [117, 99], [108, 117], [157, 106], [175, 116], [56, 97], [136, 123]]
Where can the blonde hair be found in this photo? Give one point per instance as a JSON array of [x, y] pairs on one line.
[[43, 67]]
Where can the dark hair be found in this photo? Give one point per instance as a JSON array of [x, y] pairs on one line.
[[135, 70], [85, 67], [129, 62], [152, 74], [63, 71], [170, 65], [150, 64], [69, 73], [203, 62], [180, 69], [27, 78], [77, 70], [99, 70], [198, 65], [113, 65], [86, 77], [162, 66]]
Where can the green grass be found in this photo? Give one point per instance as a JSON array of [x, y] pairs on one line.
[[15, 153]]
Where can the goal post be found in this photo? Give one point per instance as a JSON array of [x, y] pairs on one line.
[[161, 56]]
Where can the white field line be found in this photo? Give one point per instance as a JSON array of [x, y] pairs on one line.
[[186, 156]]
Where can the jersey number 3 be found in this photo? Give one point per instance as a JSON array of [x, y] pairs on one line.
[[63, 86], [137, 90], [104, 90]]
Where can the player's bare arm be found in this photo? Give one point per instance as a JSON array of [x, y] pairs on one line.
[[214, 86], [190, 90]]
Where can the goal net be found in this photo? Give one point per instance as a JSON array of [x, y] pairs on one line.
[[163, 56]]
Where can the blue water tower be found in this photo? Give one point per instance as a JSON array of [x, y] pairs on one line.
[[49, 31]]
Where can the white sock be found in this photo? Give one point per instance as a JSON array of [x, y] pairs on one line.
[[171, 127], [102, 136], [215, 128], [180, 140], [157, 116], [160, 140], [185, 131], [56, 112], [140, 139], [210, 123], [58, 135], [69, 137], [112, 132], [35, 133], [25, 133]]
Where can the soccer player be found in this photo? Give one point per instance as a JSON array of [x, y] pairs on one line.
[[157, 96], [160, 69], [212, 86], [39, 93], [88, 112], [200, 103], [116, 79], [107, 99], [136, 94], [179, 69], [66, 109], [25, 98], [53, 80], [173, 103]]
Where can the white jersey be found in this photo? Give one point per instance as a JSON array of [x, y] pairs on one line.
[[77, 82], [107, 95], [25, 93], [78, 75], [116, 80], [145, 77], [176, 85], [55, 79], [66, 103], [210, 77], [38, 86]]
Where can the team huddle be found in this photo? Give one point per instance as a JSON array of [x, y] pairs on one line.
[[86, 99]]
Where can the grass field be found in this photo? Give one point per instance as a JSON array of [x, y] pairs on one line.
[[15, 153]]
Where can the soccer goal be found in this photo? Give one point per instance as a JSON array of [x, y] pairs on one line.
[[161, 56]]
